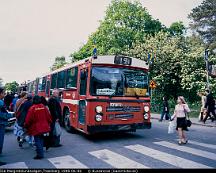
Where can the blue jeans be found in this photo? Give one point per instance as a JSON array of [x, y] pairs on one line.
[[2, 132], [164, 113], [39, 145]]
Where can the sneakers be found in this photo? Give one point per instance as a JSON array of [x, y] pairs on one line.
[[38, 157], [182, 142]]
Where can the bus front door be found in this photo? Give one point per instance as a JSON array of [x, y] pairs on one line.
[[82, 99]]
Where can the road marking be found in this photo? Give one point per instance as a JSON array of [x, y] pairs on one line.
[[66, 162], [116, 160], [190, 150], [165, 157], [203, 144], [15, 165]]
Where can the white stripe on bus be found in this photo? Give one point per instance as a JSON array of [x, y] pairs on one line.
[[116, 160], [165, 157], [66, 162], [186, 149], [70, 101]]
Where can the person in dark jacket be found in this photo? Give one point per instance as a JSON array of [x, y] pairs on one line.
[[56, 113], [165, 109], [37, 123], [4, 116], [21, 119], [209, 106], [8, 100]]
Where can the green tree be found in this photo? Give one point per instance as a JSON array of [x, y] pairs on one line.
[[59, 62], [166, 54], [204, 21], [125, 22], [12, 86], [177, 28], [177, 65]]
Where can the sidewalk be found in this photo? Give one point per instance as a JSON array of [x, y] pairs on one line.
[[194, 121]]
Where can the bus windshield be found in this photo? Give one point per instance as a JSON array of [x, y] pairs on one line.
[[118, 82]]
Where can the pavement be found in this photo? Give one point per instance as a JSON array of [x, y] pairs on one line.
[[194, 121]]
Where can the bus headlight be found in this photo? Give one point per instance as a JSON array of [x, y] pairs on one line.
[[98, 117], [98, 109], [146, 108], [146, 116]]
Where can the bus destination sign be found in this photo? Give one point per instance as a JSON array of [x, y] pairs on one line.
[[123, 60]]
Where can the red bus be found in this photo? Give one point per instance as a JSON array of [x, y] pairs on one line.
[[100, 94]]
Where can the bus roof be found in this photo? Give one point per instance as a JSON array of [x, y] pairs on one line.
[[106, 59]]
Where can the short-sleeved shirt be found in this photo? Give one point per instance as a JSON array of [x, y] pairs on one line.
[[181, 110]]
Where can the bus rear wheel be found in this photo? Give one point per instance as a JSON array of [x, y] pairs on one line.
[[67, 125]]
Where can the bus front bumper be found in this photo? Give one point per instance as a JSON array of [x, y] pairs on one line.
[[119, 127]]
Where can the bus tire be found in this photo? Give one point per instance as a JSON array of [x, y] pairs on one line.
[[67, 125]]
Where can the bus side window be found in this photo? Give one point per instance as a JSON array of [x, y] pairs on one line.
[[71, 79], [47, 88], [83, 82], [61, 80], [53, 81]]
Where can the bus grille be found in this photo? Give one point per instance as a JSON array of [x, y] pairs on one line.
[[121, 116], [124, 109]]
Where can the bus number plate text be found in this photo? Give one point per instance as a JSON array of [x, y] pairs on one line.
[[123, 60]]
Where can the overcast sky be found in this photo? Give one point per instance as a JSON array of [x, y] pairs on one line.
[[34, 32]]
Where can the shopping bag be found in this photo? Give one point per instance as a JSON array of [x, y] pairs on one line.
[[171, 127], [57, 129]]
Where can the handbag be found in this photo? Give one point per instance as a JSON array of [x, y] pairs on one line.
[[188, 121], [57, 129]]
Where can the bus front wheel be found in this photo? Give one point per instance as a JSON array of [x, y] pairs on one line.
[[67, 125]]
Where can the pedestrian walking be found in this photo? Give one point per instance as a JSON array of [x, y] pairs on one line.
[[56, 113], [4, 116], [8, 100], [209, 106], [203, 101], [165, 109], [37, 123], [20, 131], [20, 101], [13, 104], [181, 109]]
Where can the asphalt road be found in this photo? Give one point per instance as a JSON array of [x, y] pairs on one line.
[[153, 148]]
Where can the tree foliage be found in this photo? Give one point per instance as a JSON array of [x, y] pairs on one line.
[[177, 28], [125, 22], [177, 65], [204, 21], [59, 62], [12, 86]]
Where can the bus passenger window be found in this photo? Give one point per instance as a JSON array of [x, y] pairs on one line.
[[53, 81], [71, 80], [61, 80], [47, 88], [42, 84], [83, 82]]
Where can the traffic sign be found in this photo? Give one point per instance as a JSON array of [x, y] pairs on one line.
[[153, 84]]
